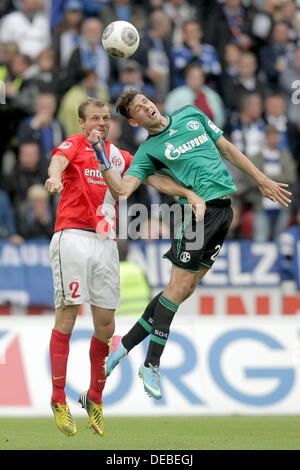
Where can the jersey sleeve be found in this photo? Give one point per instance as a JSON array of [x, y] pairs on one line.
[[127, 159], [212, 130], [141, 166], [68, 147]]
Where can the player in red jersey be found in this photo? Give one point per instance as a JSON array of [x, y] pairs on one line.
[[84, 256]]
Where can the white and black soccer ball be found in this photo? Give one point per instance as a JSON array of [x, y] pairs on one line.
[[120, 39]]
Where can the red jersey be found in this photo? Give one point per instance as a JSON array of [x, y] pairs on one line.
[[86, 202]]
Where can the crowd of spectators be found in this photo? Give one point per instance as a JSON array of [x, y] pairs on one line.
[[236, 60]]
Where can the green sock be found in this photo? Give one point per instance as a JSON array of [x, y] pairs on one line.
[[163, 316], [142, 327]]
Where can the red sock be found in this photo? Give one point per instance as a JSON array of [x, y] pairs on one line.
[[98, 352], [59, 352]]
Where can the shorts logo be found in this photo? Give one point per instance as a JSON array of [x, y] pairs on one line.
[[192, 126], [65, 145], [185, 257]]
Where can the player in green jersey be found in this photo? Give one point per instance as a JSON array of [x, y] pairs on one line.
[[189, 147]]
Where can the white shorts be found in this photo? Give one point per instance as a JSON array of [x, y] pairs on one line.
[[85, 269]]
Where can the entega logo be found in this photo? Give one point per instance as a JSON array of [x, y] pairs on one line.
[[91, 173], [94, 173], [171, 153]]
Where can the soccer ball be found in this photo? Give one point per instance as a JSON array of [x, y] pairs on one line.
[[120, 39]]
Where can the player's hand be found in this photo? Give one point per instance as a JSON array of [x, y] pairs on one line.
[[275, 191], [54, 185], [94, 137], [198, 205]]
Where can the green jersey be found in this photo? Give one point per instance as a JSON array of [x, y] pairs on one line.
[[186, 150]]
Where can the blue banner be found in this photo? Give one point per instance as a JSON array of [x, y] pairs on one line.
[[239, 264], [26, 277], [25, 274]]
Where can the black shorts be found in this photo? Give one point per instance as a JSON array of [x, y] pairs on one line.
[[195, 244]]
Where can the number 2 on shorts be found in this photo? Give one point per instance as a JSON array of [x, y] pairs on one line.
[[74, 286], [217, 248]]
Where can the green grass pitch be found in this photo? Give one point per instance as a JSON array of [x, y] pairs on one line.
[[169, 433]]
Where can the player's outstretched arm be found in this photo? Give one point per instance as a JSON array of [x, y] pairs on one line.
[[167, 185], [57, 166], [269, 188], [119, 188]]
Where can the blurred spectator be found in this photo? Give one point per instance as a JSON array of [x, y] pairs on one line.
[[153, 52], [130, 77], [7, 53], [46, 74], [42, 127], [89, 86], [246, 131], [35, 216], [230, 68], [66, 34], [29, 28], [121, 134], [271, 218], [289, 83], [263, 20], [196, 92], [245, 82], [23, 90], [180, 11], [27, 171], [124, 10], [192, 49], [115, 131], [89, 54], [278, 55], [288, 14], [232, 59], [275, 114], [8, 229], [230, 22], [246, 128], [288, 264]]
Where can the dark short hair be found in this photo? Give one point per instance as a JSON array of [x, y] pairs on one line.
[[90, 101], [124, 101], [193, 64]]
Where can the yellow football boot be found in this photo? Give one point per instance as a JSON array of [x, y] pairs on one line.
[[94, 412], [64, 419]]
